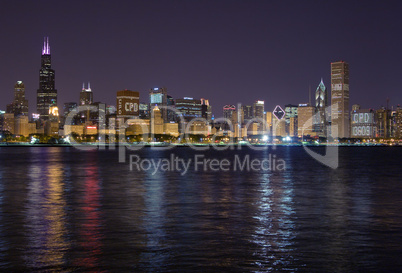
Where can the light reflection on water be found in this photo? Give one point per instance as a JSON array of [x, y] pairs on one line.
[[66, 210], [45, 212], [89, 224]]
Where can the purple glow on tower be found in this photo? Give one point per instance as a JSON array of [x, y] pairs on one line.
[[46, 46]]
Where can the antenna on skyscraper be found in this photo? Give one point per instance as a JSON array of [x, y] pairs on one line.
[[387, 103], [309, 94]]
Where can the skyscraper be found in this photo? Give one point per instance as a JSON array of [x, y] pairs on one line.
[[340, 99], [321, 97], [321, 102], [291, 112], [127, 104], [228, 111], [19, 106], [305, 119], [46, 94], [206, 110], [159, 97], [189, 108], [258, 109], [86, 95]]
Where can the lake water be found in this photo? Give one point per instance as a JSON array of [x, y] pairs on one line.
[[64, 210]]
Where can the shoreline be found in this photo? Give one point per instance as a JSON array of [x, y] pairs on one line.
[[164, 145]]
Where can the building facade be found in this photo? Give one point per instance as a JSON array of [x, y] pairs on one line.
[[189, 108], [305, 119], [340, 99], [383, 122], [291, 115], [19, 106], [86, 95], [127, 104], [362, 124], [47, 93], [228, 111], [158, 97], [321, 104], [258, 109]]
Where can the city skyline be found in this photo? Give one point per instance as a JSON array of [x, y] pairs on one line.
[[226, 73]]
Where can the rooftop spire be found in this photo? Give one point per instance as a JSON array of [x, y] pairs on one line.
[[46, 46]]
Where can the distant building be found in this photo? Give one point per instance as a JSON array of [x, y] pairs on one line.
[[206, 110], [171, 112], [321, 104], [156, 121], [127, 104], [54, 113], [268, 120], [305, 118], [362, 123], [198, 127], [228, 111], [19, 106], [258, 109], [189, 108], [86, 95], [340, 99], [398, 121], [279, 128], [8, 122], [248, 112], [293, 129], [47, 93], [21, 125], [144, 111], [68, 107], [159, 97], [1, 120], [383, 120], [291, 114]]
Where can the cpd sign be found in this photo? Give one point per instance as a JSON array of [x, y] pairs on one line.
[[127, 103]]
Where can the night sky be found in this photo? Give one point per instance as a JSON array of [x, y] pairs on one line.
[[224, 51]]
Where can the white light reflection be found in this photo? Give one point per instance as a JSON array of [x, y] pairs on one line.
[[274, 231]]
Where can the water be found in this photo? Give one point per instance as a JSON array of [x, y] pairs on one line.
[[64, 210]]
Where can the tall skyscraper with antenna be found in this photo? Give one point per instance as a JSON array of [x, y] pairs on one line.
[[47, 93], [86, 95]]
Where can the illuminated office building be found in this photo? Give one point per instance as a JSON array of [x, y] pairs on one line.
[[206, 110], [86, 95], [258, 109], [47, 93], [362, 123], [127, 104], [340, 99], [189, 108], [19, 106], [159, 97], [228, 111], [291, 119], [321, 103], [305, 118], [248, 112]]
